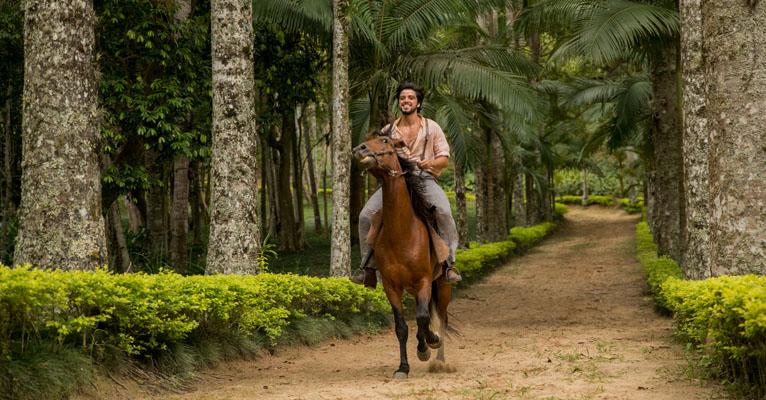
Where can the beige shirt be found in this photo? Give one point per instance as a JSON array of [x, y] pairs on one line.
[[436, 146]]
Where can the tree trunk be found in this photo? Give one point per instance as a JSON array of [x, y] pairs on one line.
[[519, 204], [533, 201], [497, 221], [696, 244], [328, 155], [340, 254], [667, 159], [311, 122], [274, 204], [480, 188], [8, 209], [134, 215], [462, 209], [300, 225], [179, 217], [156, 232], [734, 42], [234, 235], [287, 227], [60, 220], [584, 175], [122, 258]]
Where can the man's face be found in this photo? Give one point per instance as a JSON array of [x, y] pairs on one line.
[[408, 101]]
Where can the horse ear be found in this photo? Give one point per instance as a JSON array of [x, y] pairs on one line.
[[398, 143]]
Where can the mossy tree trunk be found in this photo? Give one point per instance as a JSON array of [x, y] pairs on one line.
[[234, 242], [61, 224], [667, 161], [696, 243], [340, 253], [734, 44]]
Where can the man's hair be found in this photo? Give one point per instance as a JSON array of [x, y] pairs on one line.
[[411, 86]]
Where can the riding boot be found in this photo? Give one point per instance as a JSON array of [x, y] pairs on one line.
[[450, 274], [367, 277]]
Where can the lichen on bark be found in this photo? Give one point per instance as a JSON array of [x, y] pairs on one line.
[[234, 233], [696, 244], [61, 225], [340, 253], [734, 44]]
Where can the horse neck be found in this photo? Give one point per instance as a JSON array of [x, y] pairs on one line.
[[397, 207]]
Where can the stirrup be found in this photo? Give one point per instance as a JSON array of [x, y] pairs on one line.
[[450, 274]]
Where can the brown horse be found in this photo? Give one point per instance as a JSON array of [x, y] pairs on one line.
[[403, 252]]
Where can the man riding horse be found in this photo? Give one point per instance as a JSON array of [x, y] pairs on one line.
[[427, 147]]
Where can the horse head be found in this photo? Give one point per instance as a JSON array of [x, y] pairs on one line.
[[377, 154]]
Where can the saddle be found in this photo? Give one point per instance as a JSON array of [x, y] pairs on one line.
[[438, 245]]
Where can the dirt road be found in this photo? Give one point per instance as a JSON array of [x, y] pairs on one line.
[[569, 320]]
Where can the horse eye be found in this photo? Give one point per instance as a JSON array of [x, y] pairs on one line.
[[385, 140]]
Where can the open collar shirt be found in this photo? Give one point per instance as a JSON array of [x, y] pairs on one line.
[[435, 144]]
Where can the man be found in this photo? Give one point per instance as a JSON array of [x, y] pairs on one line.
[[427, 147]]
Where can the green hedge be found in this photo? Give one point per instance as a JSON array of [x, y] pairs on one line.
[[724, 317], [100, 314], [595, 199], [55, 324], [478, 259], [140, 313]]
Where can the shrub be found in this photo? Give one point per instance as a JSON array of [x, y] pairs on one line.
[[559, 210], [143, 316], [724, 317], [529, 236]]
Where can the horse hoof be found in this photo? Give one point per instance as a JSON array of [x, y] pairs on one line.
[[400, 375], [438, 343], [425, 356]]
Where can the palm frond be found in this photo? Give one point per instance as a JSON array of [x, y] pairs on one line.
[[588, 92], [310, 16], [552, 15], [412, 21], [617, 27]]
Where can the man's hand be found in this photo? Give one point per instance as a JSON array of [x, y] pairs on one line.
[[435, 166]]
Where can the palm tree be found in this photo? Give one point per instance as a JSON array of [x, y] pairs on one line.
[[393, 41], [616, 32]]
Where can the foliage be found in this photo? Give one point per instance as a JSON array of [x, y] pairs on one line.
[[630, 207], [723, 317], [144, 316], [526, 237], [154, 87], [559, 210], [600, 200], [479, 258], [569, 182], [475, 260]]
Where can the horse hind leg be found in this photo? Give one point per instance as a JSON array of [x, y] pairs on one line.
[[423, 318], [442, 297]]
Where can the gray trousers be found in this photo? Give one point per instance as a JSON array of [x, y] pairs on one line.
[[434, 195]]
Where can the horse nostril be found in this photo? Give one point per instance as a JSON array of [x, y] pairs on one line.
[[362, 146]]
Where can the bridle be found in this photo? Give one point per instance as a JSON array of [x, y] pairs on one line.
[[389, 171]]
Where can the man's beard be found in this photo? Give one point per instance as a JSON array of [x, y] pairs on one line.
[[412, 111]]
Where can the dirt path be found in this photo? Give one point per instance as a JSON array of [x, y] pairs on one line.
[[569, 320]]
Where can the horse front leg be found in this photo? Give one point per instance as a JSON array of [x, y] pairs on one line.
[[401, 333]]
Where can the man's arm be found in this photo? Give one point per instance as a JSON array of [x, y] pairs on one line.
[[435, 166]]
